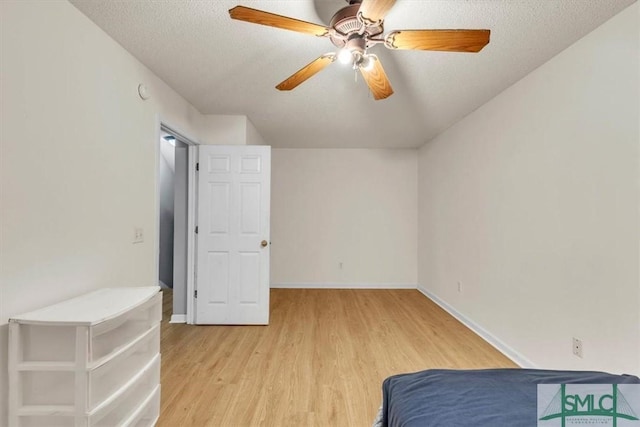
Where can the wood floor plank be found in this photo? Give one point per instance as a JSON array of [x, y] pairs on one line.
[[320, 362]]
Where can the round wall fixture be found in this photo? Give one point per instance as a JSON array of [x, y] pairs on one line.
[[143, 92]]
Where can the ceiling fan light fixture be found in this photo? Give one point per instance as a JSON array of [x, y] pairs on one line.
[[345, 56], [366, 63]]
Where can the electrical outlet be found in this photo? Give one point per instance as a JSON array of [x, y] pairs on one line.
[[459, 287], [138, 235], [577, 347]]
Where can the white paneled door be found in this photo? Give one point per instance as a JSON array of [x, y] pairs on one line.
[[232, 279]]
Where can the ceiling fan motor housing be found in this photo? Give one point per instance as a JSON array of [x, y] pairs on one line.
[[346, 24], [356, 44]]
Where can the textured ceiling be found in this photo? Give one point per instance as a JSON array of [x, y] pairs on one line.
[[224, 66]]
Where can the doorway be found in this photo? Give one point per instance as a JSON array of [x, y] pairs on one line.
[[173, 254]]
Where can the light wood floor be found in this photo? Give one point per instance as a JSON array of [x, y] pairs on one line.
[[320, 362]]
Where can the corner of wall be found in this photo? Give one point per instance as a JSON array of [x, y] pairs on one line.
[[253, 136], [219, 129], [486, 335]]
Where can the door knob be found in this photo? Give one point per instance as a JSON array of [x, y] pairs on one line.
[[264, 244]]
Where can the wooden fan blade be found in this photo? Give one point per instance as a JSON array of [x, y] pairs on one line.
[[375, 10], [442, 40], [377, 80], [272, 20], [305, 72]]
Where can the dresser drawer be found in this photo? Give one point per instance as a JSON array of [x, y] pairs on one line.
[[107, 337], [45, 343], [112, 375], [117, 410], [147, 416]]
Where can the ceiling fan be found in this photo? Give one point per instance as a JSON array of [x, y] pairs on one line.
[[354, 30]]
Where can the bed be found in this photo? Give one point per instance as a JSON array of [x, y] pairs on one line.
[[489, 397]]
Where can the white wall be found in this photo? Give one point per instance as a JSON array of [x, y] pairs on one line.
[[355, 207], [223, 129], [229, 130], [78, 159], [532, 203]]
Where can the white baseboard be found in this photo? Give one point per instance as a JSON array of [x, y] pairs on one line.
[[343, 286], [499, 345], [178, 318]]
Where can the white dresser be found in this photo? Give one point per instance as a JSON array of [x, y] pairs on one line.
[[89, 361]]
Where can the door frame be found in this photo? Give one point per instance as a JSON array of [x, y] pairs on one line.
[[163, 125], [192, 212]]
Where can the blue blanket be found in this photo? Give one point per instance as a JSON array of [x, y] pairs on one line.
[[491, 397]]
